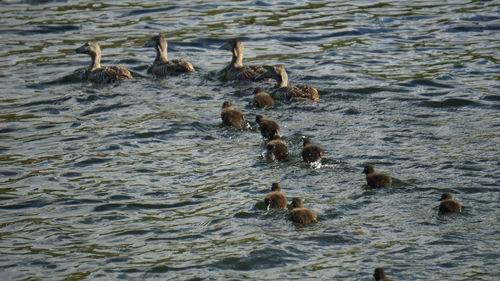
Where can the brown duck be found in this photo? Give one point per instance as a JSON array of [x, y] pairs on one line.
[[299, 92], [236, 70], [231, 116], [449, 205], [376, 179], [278, 148], [379, 275], [268, 128], [101, 74], [275, 198], [162, 66], [262, 99], [311, 152], [301, 215]]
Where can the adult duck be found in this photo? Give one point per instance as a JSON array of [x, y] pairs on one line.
[[162, 66], [101, 74], [298, 92], [236, 70]]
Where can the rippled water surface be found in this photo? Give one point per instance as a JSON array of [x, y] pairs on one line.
[[139, 181]]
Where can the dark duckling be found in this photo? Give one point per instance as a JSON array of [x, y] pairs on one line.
[[299, 92], [275, 198], [376, 179], [379, 275], [101, 74], [311, 152], [268, 128], [231, 116], [449, 205], [301, 215], [262, 99], [278, 148], [236, 70], [161, 66]]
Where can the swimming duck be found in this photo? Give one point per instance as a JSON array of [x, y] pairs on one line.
[[301, 215], [310, 152], [376, 179], [449, 205], [161, 66], [262, 99], [277, 147], [275, 198], [231, 116], [236, 70], [101, 74], [268, 127], [299, 92], [379, 275]]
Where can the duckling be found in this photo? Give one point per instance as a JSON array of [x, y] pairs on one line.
[[301, 215], [275, 198], [299, 92], [236, 70], [310, 152], [376, 179], [101, 74], [231, 116], [161, 66], [449, 205], [262, 99], [268, 128], [277, 147], [379, 275]]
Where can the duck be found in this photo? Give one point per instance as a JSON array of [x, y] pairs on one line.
[[301, 215], [379, 275], [449, 205], [277, 147], [275, 199], [376, 179], [298, 92], [311, 152], [231, 116], [101, 74], [262, 99], [162, 66], [269, 129], [236, 70]]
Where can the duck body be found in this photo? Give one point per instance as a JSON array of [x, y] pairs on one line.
[[310, 152], [376, 179], [298, 92], [262, 99], [236, 70], [277, 148], [162, 66], [231, 116], [275, 199], [302, 215], [269, 129], [449, 205], [101, 74]]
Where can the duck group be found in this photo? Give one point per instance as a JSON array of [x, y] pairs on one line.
[[270, 130]]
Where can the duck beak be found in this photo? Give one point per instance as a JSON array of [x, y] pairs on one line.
[[81, 50], [149, 44]]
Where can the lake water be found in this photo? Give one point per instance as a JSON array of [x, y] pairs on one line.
[[139, 180]]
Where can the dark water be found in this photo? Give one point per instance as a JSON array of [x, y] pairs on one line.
[[138, 181]]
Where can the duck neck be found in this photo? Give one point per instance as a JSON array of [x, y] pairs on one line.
[[161, 53], [237, 60], [282, 80], [96, 61]]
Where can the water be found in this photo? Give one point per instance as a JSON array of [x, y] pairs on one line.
[[138, 181]]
